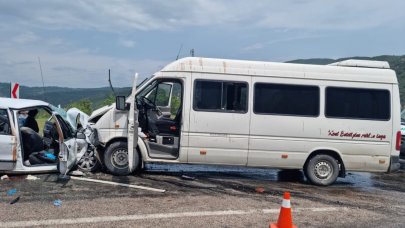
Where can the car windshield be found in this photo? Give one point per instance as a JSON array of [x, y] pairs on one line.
[[63, 114]]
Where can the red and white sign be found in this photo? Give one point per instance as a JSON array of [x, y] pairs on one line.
[[15, 90]]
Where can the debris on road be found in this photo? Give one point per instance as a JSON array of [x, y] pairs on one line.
[[187, 177], [119, 184], [11, 192], [57, 202], [15, 200], [17, 177], [31, 177], [259, 189], [77, 173]]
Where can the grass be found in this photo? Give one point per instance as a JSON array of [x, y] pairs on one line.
[[41, 123]]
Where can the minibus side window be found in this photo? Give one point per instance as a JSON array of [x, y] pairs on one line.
[[357, 103], [220, 96], [4, 123], [284, 99]]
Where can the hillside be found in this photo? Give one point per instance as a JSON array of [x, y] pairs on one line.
[[65, 96]]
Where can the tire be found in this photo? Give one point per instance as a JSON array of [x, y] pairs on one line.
[[322, 170], [89, 162], [116, 159]]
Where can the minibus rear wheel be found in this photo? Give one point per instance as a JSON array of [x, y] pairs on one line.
[[322, 170]]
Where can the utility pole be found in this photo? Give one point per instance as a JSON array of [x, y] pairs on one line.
[[42, 77]]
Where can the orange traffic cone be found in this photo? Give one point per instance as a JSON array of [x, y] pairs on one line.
[[285, 217]]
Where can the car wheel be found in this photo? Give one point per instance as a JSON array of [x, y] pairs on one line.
[[88, 162], [116, 159], [322, 170]]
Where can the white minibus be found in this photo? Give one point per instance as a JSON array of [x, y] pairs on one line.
[[323, 119]]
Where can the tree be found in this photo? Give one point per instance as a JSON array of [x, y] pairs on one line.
[[108, 100], [84, 105], [175, 105]]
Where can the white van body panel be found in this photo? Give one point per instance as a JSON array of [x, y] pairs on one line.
[[111, 125], [224, 137], [250, 139], [274, 135]]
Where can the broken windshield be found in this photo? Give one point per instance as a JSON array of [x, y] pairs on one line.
[[61, 112]]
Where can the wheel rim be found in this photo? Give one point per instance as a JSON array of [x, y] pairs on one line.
[[88, 161], [119, 158], [323, 170]]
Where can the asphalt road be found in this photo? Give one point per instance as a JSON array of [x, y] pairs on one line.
[[203, 196]]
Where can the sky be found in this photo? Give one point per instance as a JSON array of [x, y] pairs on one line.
[[77, 41]]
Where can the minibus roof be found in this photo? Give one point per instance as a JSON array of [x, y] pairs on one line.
[[339, 72]]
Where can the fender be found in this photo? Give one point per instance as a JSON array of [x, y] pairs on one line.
[[314, 150], [143, 149], [342, 167], [141, 145]]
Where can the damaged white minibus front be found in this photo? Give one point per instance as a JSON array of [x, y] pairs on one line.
[[121, 158]]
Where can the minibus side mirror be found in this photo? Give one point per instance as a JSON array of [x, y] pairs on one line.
[[120, 103]]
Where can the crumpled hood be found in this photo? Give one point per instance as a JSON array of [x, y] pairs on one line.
[[72, 116], [100, 111]]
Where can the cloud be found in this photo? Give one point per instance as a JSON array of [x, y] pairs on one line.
[[78, 41], [126, 43], [253, 47], [334, 15], [121, 15], [288, 38], [24, 38], [76, 68]]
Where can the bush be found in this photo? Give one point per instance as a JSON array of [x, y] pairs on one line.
[[84, 105]]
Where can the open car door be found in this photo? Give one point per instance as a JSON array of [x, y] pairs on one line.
[[132, 129], [67, 146]]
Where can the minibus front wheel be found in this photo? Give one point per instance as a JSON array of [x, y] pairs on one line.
[[116, 158], [322, 170]]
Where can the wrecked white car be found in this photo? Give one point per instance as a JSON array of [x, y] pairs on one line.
[[36, 137]]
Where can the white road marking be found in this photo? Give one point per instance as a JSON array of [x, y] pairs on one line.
[[72, 221], [119, 184], [323, 209]]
